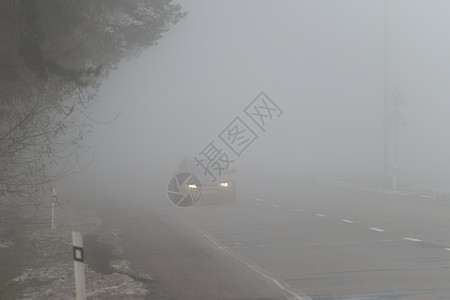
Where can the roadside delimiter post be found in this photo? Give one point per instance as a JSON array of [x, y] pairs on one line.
[[54, 201], [78, 262]]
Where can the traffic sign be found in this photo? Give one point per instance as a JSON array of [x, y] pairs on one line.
[[396, 98], [184, 189], [396, 119]]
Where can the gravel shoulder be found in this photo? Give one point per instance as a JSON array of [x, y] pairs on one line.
[[36, 263]]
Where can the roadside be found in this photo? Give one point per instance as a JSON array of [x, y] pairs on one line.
[[38, 264], [437, 192]]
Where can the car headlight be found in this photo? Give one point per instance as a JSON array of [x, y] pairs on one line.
[[192, 186], [224, 184]]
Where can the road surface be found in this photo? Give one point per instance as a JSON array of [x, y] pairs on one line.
[[314, 242]]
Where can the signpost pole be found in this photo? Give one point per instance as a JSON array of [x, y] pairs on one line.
[[78, 262], [394, 178], [395, 120], [54, 201], [385, 102]]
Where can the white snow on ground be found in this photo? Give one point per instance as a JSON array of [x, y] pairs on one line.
[[5, 244], [56, 273], [62, 284]]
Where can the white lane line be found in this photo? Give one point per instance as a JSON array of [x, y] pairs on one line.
[[251, 197], [298, 210], [294, 294], [448, 249], [320, 215], [376, 229], [347, 221], [275, 205], [412, 240]]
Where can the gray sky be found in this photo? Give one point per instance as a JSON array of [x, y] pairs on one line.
[[320, 61]]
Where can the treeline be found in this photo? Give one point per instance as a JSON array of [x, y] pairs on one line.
[[54, 55]]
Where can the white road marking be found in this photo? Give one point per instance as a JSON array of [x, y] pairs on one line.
[[320, 215], [412, 240], [251, 197], [298, 210], [347, 221], [275, 205], [376, 229], [448, 249], [282, 285]]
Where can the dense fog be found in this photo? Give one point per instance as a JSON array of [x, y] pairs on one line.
[[321, 62], [175, 149]]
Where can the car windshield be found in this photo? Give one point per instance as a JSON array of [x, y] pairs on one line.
[[224, 150], [189, 166]]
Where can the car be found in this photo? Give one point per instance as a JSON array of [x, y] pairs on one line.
[[222, 189]]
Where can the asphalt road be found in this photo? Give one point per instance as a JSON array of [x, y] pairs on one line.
[[323, 242]]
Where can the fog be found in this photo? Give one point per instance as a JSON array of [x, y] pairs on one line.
[[321, 62]]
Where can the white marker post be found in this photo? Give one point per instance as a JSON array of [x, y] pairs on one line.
[[78, 264], [54, 201]]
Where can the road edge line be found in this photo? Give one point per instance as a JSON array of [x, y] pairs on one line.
[[292, 293]]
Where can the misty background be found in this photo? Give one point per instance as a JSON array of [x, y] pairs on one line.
[[322, 62]]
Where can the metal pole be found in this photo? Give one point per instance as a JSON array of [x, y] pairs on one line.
[[394, 179], [385, 106], [78, 263]]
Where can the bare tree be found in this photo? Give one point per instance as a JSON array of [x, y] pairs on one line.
[[53, 57]]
